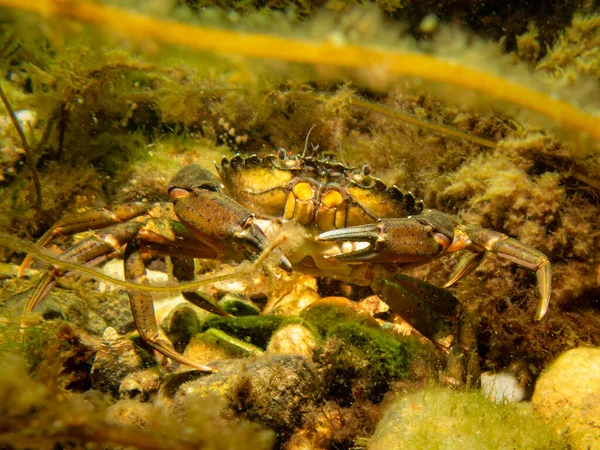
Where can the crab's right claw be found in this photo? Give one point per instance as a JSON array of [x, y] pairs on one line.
[[215, 219]]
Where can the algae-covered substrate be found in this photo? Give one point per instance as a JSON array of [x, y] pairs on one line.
[[487, 113]]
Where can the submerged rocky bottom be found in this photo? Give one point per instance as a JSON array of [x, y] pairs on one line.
[[316, 373]]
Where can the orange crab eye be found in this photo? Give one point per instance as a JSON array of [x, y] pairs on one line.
[[282, 154]]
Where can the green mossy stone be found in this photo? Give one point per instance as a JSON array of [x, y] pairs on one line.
[[327, 314], [389, 356], [447, 419], [181, 324], [238, 305], [256, 330], [219, 339]]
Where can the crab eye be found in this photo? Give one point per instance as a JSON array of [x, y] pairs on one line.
[[366, 169], [282, 154]]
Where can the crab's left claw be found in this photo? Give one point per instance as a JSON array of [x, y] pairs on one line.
[[418, 239], [408, 240]]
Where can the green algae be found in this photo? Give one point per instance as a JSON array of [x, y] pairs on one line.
[[238, 305], [327, 315], [449, 419], [363, 345], [256, 330], [389, 357], [236, 347], [35, 411]]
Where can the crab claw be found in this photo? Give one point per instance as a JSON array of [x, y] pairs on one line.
[[409, 240], [215, 219]]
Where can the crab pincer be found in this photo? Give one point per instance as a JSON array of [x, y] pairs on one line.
[[412, 239], [215, 219], [418, 239]]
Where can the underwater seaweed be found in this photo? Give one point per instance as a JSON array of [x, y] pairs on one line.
[[336, 51]]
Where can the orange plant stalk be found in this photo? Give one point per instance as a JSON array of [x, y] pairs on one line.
[[257, 45]]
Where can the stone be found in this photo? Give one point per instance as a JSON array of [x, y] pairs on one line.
[[568, 394], [116, 358], [502, 387], [140, 385], [180, 325], [293, 339], [114, 311], [451, 419], [238, 305], [214, 344], [131, 413], [273, 390]]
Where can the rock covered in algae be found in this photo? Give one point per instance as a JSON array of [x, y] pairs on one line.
[[568, 393], [449, 419], [117, 357], [273, 390], [140, 384], [238, 305]]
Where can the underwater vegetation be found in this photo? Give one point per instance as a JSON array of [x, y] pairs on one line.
[[488, 114]]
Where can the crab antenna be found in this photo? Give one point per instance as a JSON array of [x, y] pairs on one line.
[[306, 141]]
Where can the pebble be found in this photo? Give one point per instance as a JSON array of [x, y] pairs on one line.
[[449, 419], [502, 387], [292, 339], [568, 394]]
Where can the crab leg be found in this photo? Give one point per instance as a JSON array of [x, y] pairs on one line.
[[143, 310], [430, 310], [467, 264], [170, 235], [88, 251], [183, 269], [482, 240], [438, 315], [88, 220], [161, 232]]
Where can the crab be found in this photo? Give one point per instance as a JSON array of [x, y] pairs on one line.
[[345, 223]]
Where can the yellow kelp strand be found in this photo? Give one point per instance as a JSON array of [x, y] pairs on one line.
[[318, 53]]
